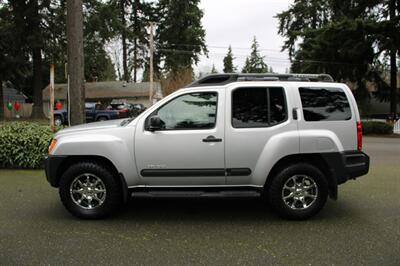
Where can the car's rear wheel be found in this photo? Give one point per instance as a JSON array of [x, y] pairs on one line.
[[89, 190], [298, 191]]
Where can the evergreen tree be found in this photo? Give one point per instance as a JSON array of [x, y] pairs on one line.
[[180, 35], [228, 62], [347, 39], [132, 19], [255, 62]]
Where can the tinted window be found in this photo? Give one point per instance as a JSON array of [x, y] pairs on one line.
[[258, 107], [324, 104], [190, 111]]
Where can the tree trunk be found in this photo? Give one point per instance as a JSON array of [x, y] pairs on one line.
[[124, 45], [393, 66], [37, 109], [76, 61], [2, 107], [135, 39]]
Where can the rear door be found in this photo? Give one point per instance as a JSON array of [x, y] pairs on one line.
[[90, 111], [254, 113]]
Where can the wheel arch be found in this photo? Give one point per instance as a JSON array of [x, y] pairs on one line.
[[73, 159], [102, 116], [314, 159]]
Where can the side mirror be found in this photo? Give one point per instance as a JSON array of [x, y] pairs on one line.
[[155, 123]]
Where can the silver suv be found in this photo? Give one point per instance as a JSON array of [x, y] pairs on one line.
[[291, 139]]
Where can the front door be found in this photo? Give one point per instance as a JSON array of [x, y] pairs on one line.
[[189, 149]]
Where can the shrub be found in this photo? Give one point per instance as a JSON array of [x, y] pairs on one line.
[[376, 127], [23, 144]]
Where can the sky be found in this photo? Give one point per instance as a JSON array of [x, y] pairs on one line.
[[235, 23]]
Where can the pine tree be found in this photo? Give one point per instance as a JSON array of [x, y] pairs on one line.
[[180, 35], [348, 39], [228, 62], [255, 62]]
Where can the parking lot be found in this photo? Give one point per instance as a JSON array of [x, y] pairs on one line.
[[362, 227]]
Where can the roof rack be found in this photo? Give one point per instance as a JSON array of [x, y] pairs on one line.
[[223, 79]]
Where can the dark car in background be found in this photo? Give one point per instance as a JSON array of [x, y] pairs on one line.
[[94, 112], [128, 109]]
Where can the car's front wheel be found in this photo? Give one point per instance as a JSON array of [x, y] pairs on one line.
[[58, 121], [298, 191], [89, 190]]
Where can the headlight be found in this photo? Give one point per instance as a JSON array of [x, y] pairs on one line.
[[52, 145]]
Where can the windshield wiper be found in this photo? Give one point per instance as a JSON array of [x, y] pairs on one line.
[[127, 121]]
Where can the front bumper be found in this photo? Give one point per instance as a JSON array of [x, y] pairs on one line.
[[52, 165]]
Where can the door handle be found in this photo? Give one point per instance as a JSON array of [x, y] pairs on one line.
[[212, 139]]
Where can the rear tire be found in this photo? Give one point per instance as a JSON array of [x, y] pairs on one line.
[[298, 191], [90, 191]]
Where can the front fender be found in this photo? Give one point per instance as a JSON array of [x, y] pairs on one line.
[[114, 148]]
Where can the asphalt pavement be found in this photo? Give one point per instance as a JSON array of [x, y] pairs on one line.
[[361, 228]]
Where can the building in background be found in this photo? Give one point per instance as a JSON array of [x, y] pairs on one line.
[[106, 92]]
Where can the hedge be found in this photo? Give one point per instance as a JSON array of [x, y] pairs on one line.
[[23, 144], [376, 127]]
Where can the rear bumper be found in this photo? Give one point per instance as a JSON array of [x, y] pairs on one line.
[[347, 165], [356, 164], [51, 165]]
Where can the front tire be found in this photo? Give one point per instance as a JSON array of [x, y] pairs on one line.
[[298, 191], [90, 191], [58, 121]]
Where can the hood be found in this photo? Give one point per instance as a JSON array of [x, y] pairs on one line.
[[92, 126]]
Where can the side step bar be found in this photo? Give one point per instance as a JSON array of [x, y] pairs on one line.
[[196, 194]]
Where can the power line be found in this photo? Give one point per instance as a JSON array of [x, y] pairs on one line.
[[271, 59], [218, 47]]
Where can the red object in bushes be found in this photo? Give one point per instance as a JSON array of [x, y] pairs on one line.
[[17, 105], [58, 105]]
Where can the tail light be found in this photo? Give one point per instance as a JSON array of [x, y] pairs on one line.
[[359, 136], [123, 110]]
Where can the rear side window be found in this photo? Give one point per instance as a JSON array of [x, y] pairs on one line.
[[324, 104], [258, 107]]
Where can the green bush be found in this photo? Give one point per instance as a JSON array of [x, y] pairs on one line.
[[23, 144], [376, 127]]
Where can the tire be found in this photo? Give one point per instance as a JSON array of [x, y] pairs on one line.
[[102, 118], [298, 191], [90, 191], [58, 121]]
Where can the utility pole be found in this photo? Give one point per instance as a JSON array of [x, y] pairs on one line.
[[51, 98], [393, 65], [76, 61], [151, 62]]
